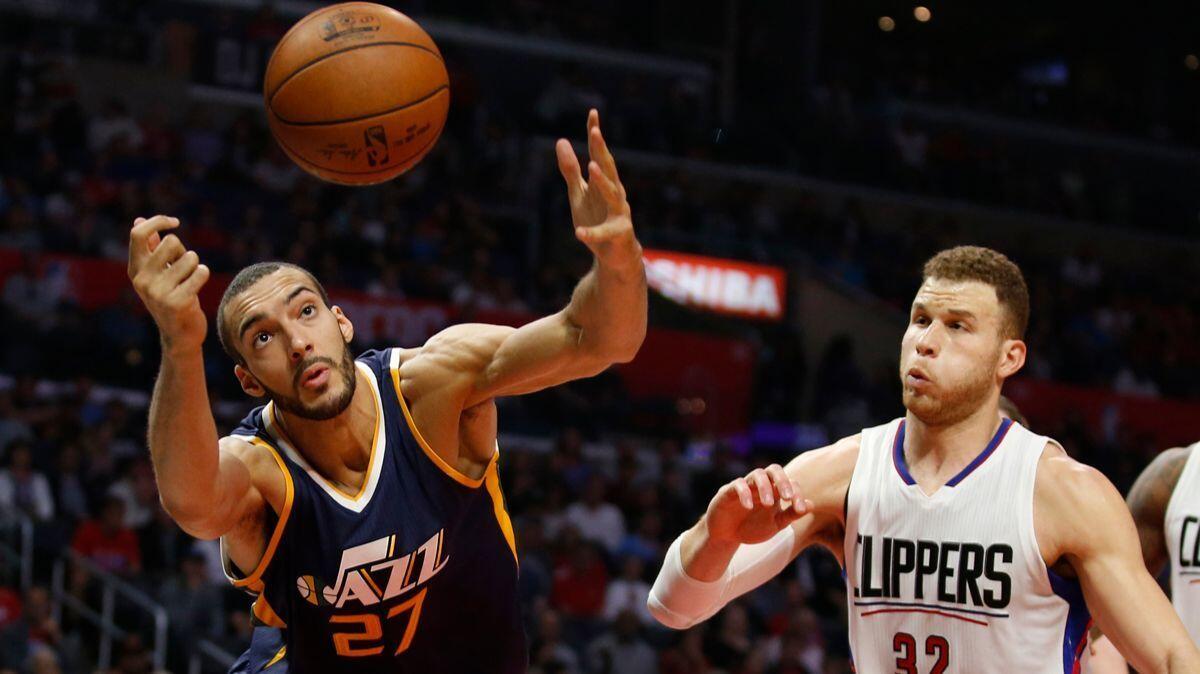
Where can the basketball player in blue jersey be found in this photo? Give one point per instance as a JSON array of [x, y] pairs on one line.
[[361, 504], [969, 543]]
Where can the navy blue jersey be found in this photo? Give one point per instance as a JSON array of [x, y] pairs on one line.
[[417, 572]]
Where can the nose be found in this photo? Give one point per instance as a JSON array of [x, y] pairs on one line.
[[300, 346], [929, 341]]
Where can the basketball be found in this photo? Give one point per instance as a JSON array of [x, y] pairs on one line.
[[356, 93]]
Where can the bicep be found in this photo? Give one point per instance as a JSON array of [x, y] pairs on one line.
[[236, 492], [536, 356], [1114, 578]]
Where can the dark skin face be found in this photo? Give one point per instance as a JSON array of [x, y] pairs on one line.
[[295, 348]]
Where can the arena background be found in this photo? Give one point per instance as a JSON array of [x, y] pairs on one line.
[[812, 153]]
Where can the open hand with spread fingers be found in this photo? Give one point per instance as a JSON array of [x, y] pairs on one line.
[[599, 210], [168, 278], [754, 508]]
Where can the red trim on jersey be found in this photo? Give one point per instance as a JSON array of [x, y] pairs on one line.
[[919, 610]]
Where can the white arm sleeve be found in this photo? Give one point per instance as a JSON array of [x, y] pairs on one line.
[[679, 601]]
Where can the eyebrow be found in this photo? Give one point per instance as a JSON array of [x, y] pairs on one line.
[[918, 306], [249, 321]]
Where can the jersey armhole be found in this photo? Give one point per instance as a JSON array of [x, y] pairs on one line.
[[253, 581], [451, 471]]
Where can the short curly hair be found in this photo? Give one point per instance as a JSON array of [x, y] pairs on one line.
[[976, 263], [240, 283]]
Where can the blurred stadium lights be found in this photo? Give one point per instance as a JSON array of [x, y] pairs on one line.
[[887, 24], [1192, 62], [922, 13]]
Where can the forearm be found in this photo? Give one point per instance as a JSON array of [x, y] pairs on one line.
[[609, 306], [700, 576], [183, 437]]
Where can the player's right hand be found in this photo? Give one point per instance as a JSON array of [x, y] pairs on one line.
[[168, 278], [754, 508]]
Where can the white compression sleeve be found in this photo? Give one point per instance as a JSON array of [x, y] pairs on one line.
[[679, 601]]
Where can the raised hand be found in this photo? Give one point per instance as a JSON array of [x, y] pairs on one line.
[[599, 210], [168, 278], [754, 508]]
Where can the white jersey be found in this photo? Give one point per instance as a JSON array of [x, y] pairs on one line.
[[1182, 528], [954, 583]]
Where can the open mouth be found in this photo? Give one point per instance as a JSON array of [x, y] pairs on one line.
[[315, 376], [915, 377]]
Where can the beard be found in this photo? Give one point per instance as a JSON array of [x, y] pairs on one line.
[[328, 409], [951, 406]]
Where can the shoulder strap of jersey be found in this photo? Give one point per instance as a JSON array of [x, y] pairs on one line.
[[252, 582], [393, 356]]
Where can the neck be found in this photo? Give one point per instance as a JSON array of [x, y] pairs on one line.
[[343, 443], [951, 446]]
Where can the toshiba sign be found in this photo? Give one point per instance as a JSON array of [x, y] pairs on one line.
[[717, 284]]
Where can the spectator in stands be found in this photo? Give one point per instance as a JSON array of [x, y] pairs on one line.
[[596, 519], [22, 488], [107, 542], [548, 653], [36, 629], [621, 650], [629, 593]]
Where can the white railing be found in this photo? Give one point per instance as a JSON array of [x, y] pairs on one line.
[[22, 555], [111, 588]]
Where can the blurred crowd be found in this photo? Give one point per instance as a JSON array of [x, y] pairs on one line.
[[482, 224]]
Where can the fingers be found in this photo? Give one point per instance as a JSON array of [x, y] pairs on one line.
[[568, 166], [762, 486], [182, 268], [611, 192], [167, 252], [598, 150], [781, 482], [143, 239], [603, 232], [195, 281], [742, 490]]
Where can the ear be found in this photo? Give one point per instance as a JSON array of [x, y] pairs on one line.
[[344, 323], [1012, 358], [249, 382]]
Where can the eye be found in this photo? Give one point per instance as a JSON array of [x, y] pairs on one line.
[[921, 320], [956, 326], [262, 338], [308, 310]]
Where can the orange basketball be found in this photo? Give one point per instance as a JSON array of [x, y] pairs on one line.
[[356, 93]]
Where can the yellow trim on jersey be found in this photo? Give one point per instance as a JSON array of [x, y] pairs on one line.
[[493, 486], [370, 461], [367, 577], [290, 494], [278, 656], [438, 461], [263, 611]]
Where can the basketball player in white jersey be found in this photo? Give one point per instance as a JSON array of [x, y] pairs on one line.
[[969, 543], [1165, 502]]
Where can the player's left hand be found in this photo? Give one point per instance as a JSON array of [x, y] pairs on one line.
[[598, 207]]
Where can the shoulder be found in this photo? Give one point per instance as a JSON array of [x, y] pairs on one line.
[[1064, 482], [1076, 508], [459, 352], [1166, 468], [264, 465]]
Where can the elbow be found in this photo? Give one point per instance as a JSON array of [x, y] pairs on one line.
[[666, 617], [196, 522]]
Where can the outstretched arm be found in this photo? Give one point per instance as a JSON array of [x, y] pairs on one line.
[[604, 323], [204, 485], [1070, 499], [754, 527]]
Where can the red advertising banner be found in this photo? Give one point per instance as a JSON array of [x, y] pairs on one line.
[[708, 379], [717, 284]]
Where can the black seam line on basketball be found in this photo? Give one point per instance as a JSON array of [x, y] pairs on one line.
[[306, 66], [360, 118], [359, 173]]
